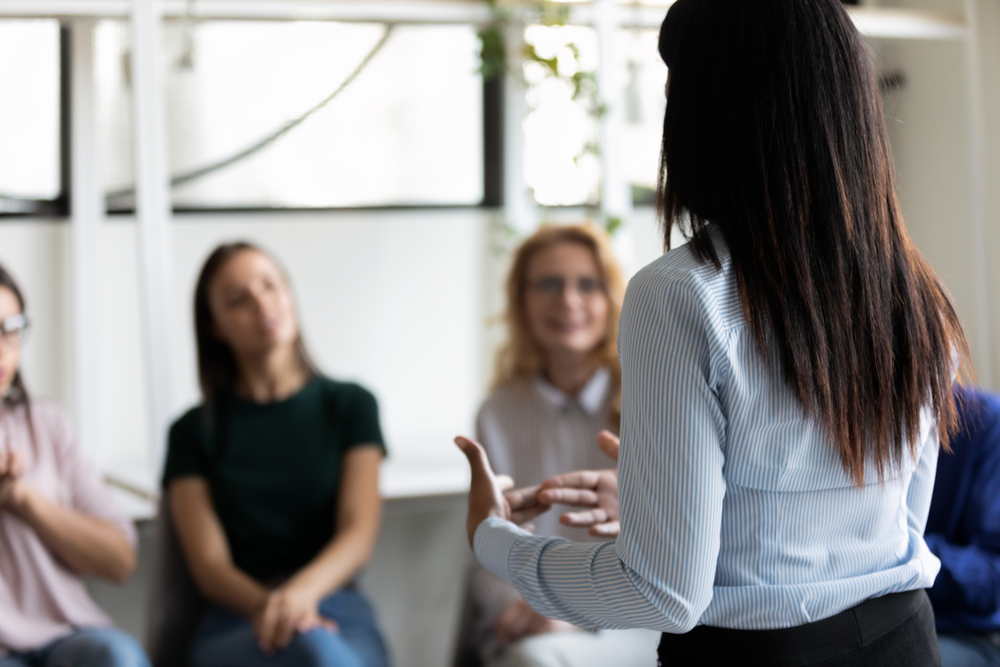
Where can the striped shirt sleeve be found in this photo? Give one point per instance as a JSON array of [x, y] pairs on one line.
[[659, 573]]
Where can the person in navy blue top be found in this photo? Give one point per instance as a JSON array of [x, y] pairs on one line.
[[963, 530]]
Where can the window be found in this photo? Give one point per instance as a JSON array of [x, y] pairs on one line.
[[30, 130], [562, 148], [407, 131]]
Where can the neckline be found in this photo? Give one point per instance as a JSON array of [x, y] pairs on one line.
[[240, 400], [590, 398]]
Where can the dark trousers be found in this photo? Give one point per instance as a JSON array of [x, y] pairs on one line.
[[896, 630]]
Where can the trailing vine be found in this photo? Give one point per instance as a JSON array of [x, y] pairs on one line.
[[582, 82]]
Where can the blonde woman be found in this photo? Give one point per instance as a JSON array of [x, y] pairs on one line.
[[557, 385]]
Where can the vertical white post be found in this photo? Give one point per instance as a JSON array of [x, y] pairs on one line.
[[616, 192], [87, 213], [519, 206], [977, 154], [152, 211]]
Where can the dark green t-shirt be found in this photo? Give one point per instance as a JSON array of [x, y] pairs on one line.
[[274, 469]]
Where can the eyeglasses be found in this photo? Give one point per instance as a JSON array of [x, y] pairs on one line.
[[554, 286], [13, 329]]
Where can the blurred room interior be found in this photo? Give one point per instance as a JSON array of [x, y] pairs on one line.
[[390, 153]]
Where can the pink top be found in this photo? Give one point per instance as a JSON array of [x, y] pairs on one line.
[[40, 598]]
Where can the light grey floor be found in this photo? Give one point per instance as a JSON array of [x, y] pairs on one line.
[[414, 580]]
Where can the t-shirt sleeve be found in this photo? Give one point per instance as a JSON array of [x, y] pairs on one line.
[[186, 456], [362, 425]]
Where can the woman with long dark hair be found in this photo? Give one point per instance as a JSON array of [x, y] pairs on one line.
[[58, 524], [785, 376], [273, 482]]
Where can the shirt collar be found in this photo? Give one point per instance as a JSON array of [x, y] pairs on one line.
[[591, 397]]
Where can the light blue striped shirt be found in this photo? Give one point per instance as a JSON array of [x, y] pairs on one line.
[[735, 509]]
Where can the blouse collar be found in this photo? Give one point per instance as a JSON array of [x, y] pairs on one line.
[[591, 398]]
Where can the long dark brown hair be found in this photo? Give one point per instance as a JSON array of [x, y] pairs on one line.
[[774, 132], [19, 395], [218, 373]]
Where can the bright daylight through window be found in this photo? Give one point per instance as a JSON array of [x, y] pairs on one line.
[[562, 143], [406, 130], [29, 116]]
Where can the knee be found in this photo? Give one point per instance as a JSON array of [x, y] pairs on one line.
[[321, 648], [111, 648], [530, 652]]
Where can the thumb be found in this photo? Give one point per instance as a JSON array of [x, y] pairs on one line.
[[474, 452], [609, 444]]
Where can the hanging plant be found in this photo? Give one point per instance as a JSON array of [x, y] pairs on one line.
[[582, 82]]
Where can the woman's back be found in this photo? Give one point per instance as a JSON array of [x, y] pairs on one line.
[[799, 540]]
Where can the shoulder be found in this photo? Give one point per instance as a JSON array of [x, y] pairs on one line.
[[979, 414], [188, 425], [345, 393], [679, 279], [45, 412], [48, 419]]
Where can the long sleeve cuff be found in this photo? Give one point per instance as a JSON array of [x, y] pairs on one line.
[[492, 543]]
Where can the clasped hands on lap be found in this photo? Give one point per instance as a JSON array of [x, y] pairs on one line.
[[285, 612], [594, 492]]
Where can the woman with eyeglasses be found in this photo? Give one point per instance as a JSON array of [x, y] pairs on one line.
[[57, 525], [786, 375], [557, 385]]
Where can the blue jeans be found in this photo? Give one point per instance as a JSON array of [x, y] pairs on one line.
[[965, 650], [225, 640], [89, 647]]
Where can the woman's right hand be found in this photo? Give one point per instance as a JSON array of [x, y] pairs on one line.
[[287, 611]]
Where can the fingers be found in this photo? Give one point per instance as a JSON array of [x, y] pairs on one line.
[[266, 627], [581, 479], [485, 498], [476, 455], [315, 621], [574, 497], [609, 529], [584, 519], [505, 482], [521, 499], [524, 504], [609, 444], [284, 629], [522, 517]]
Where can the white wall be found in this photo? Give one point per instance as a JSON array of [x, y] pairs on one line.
[[36, 252], [931, 138], [393, 300], [989, 46]]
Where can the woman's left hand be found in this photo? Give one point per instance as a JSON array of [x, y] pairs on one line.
[[288, 611], [486, 497]]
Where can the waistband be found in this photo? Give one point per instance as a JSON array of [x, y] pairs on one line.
[[821, 640]]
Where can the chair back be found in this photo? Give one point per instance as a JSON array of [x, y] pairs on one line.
[[175, 605]]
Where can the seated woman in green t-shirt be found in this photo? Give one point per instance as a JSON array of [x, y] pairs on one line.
[[273, 482]]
